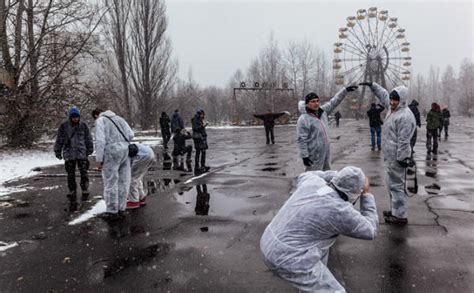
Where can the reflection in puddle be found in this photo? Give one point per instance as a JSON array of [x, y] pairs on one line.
[[198, 201]]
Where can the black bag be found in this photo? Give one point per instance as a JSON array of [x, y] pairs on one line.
[[132, 148]]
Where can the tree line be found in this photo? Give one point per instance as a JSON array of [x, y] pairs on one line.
[[116, 54]]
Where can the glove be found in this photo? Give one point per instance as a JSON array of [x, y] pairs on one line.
[[58, 155], [307, 162], [405, 163], [351, 88], [367, 83]]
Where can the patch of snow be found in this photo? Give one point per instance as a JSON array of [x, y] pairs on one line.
[[14, 166], [50, 187], [4, 245], [97, 209]]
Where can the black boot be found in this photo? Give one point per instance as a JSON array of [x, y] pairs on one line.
[[85, 195], [395, 220]]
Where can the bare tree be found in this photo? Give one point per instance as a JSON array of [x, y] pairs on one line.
[[151, 68], [448, 86], [466, 87], [40, 41], [116, 31]]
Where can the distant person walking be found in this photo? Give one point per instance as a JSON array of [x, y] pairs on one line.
[[414, 109], [269, 123], [337, 116], [165, 129], [176, 121], [446, 116], [180, 149], [433, 121], [375, 123], [74, 145]]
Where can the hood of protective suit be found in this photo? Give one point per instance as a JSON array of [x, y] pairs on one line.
[[402, 92], [108, 113], [350, 180], [302, 107]]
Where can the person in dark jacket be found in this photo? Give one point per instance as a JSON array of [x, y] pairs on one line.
[[269, 123], [200, 142], [375, 123], [165, 129], [180, 148], [337, 116], [446, 115], [432, 126], [438, 108], [74, 145], [176, 121], [414, 109]]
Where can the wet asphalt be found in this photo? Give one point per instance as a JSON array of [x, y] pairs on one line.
[[202, 234]]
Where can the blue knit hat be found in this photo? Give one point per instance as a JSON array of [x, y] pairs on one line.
[[73, 112]]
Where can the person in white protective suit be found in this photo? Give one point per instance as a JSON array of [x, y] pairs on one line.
[[313, 129], [398, 129], [295, 245], [140, 164], [112, 158]]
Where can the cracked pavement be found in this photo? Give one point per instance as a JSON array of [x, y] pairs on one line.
[[202, 234]]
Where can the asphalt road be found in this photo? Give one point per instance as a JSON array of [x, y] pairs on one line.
[[202, 234]]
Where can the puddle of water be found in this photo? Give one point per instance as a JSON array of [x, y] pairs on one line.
[[203, 200], [269, 169], [270, 164]]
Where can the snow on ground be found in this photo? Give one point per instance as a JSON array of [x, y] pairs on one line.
[[19, 165], [4, 245], [97, 209]]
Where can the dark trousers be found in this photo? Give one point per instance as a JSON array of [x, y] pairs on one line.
[[413, 139], [166, 138], [187, 150], [337, 122], [376, 131], [200, 154], [446, 130], [269, 134], [432, 140], [83, 166]]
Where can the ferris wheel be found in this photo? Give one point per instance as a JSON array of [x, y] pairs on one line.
[[372, 47]]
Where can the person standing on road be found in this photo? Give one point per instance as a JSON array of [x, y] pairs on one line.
[[200, 142], [295, 245], [313, 129], [398, 130], [432, 126], [140, 165], [269, 123], [438, 108], [337, 116], [74, 145], [176, 121], [446, 116], [112, 157], [375, 123], [165, 129], [414, 109]]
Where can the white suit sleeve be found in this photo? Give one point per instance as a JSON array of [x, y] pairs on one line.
[[99, 139], [335, 101], [382, 94], [363, 224], [302, 141], [405, 130]]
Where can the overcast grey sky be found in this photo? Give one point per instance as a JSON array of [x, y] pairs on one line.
[[217, 38]]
